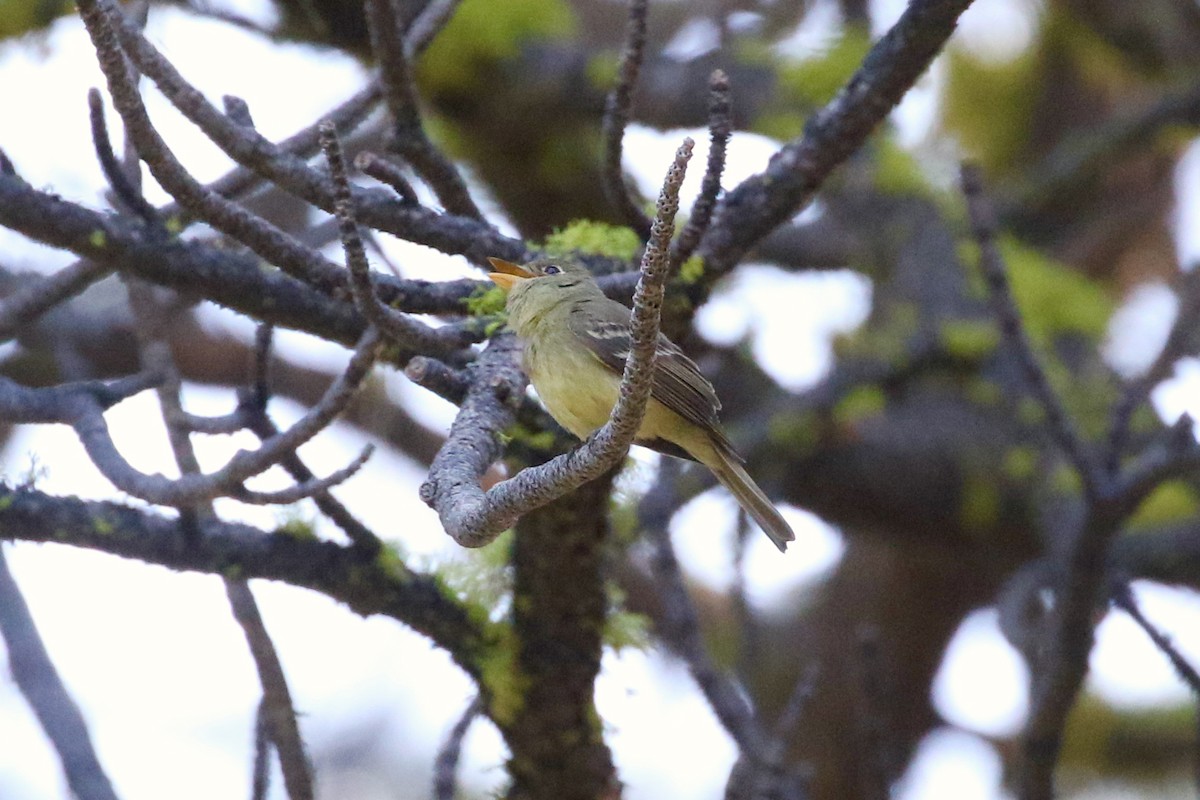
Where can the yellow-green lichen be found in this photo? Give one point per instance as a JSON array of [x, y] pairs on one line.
[[624, 628], [1171, 502], [598, 238], [493, 327], [1030, 411], [501, 675], [691, 270], [859, 404], [103, 526], [480, 579], [294, 523], [1054, 299], [390, 561], [602, 70], [886, 337], [98, 238], [485, 301], [970, 340], [533, 439], [979, 502], [780, 125], [983, 392], [1065, 480], [1020, 462]]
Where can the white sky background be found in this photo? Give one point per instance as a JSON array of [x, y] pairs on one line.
[[160, 668]]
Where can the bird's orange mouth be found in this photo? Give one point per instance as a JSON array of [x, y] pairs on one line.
[[507, 273]]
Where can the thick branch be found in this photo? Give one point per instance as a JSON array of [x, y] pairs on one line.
[[368, 586]]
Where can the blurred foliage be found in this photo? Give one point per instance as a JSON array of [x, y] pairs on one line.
[[482, 33], [19, 17]]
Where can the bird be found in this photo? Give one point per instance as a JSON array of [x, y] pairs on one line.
[[576, 341]]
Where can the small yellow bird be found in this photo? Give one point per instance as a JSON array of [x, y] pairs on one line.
[[576, 343]]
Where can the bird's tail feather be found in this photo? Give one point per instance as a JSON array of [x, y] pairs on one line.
[[734, 477]]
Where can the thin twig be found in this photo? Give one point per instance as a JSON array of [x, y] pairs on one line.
[[114, 172], [409, 137], [87, 420], [1061, 426], [429, 22], [764, 201], [720, 128], [277, 703], [260, 774], [37, 296], [616, 117], [679, 626], [399, 327], [1181, 341], [1124, 600], [446, 763], [386, 172], [281, 716], [474, 517], [268, 241], [377, 209]]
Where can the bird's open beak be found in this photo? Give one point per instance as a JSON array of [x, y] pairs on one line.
[[507, 273]]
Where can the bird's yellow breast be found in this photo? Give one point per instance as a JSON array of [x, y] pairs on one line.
[[580, 392], [577, 390]]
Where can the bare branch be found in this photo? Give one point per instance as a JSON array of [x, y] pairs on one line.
[[408, 135], [616, 117], [187, 490], [273, 244], [429, 22], [386, 172], [679, 627], [720, 128], [305, 489], [474, 517], [447, 232], [60, 403], [367, 586], [38, 296], [125, 191], [36, 676], [276, 707], [400, 327], [444, 381]]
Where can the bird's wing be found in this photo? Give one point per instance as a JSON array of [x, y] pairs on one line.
[[603, 327]]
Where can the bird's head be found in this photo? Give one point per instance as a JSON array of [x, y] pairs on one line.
[[541, 285]]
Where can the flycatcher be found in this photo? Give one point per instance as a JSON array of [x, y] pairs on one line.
[[576, 343]]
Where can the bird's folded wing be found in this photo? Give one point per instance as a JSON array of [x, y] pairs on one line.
[[603, 327]]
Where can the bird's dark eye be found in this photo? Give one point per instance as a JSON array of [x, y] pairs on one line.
[[552, 270]]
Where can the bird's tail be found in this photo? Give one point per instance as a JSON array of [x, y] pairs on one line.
[[733, 477]]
